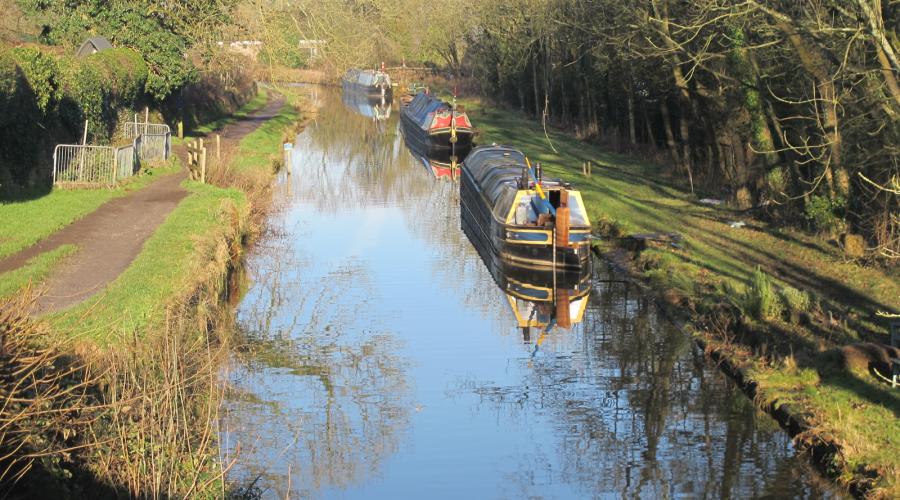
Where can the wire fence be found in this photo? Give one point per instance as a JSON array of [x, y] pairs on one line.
[[135, 129], [82, 165]]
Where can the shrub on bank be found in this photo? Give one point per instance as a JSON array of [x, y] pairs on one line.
[[46, 98]]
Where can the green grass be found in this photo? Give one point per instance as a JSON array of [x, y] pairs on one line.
[[262, 147], [716, 264], [250, 107], [26, 222], [845, 405], [167, 266], [34, 271]]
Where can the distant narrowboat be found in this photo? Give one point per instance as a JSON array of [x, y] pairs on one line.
[[526, 221], [372, 83], [411, 91], [436, 127]]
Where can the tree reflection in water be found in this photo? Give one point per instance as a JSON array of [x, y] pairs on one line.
[[638, 413]]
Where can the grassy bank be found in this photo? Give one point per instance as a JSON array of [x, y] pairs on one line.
[[150, 346], [261, 149], [786, 326], [168, 265]]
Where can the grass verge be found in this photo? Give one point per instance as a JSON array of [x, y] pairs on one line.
[[261, 149], [250, 107], [780, 304], [171, 259], [34, 271], [26, 222]]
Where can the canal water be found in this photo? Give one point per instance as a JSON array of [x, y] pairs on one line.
[[381, 359]]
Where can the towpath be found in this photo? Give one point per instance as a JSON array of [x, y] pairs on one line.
[[110, 238]]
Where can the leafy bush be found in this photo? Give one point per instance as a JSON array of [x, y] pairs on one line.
[[825, 214], [796, 301], [42, 73]]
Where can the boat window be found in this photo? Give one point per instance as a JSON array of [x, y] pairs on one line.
[[577, 216], [504, 201], [525, 213]]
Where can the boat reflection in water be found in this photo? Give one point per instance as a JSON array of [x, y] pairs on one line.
[[540, 300], [443, 168], [360, 103]]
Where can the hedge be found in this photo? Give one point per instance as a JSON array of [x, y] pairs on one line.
[[45, 98]]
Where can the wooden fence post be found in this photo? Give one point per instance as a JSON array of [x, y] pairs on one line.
[[218, 148], [180, 129], [203, 165]]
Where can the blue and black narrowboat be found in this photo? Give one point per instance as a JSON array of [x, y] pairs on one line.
[[525, 220], [434, 127], [374, 84]]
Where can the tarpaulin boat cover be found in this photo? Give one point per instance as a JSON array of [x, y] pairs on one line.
[[422, 106], [367, 78]]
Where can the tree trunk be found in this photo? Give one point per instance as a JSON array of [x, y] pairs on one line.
[[670, 137], [813, 63]]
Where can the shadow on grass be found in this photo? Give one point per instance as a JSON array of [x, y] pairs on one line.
[[14, 194]]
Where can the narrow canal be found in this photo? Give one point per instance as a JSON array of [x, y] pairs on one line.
[[382, 360]]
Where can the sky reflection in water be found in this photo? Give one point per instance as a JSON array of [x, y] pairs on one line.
[[383, 361]]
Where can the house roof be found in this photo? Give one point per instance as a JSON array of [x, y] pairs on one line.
[[93, 44]]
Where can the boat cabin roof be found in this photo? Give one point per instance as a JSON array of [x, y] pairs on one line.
[[367, 77], [424, 104], [497, 171]]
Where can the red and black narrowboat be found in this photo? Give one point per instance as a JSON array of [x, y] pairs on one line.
[[434, 127]]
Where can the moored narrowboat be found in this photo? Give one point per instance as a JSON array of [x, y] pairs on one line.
[[526, 221], [372, 83], [436, 127]]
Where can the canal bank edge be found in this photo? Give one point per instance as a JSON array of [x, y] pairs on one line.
[[823, 451]]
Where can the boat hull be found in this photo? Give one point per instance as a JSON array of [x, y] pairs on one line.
[[437, 143]]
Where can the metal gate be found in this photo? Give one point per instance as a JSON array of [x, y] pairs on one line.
[[76, 164]]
